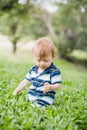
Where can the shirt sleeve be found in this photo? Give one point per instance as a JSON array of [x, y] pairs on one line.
[[28, 76], [56, 77]]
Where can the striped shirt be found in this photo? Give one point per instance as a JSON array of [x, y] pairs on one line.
[[52, 75]]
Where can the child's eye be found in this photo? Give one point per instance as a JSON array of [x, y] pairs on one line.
[[38, 60], [46, 60]]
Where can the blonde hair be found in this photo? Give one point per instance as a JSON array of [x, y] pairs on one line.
[[43, 47]]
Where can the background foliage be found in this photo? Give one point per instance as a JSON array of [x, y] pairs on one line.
[[67, 27]]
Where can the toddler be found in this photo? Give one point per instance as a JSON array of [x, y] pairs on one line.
[[45, 77]]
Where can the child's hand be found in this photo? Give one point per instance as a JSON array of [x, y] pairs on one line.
[[46, 87], [15, 93]]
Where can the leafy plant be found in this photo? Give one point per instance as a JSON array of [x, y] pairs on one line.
[[69, 111]]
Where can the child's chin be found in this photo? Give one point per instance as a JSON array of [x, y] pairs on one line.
[[43, 68]]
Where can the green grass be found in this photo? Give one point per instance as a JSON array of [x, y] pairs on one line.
[[80, 54], [69, 111], [79, 57]]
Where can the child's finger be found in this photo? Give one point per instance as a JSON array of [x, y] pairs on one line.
[[46, 83]]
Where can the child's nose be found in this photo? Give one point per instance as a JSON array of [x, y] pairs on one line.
[[41, 62]]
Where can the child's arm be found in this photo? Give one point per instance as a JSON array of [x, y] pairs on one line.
[[48, 87], [20, 87]]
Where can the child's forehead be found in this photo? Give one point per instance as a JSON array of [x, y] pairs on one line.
[[43, 57]]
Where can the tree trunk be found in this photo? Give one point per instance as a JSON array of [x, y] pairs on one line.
[[14, 48], [47, 21]]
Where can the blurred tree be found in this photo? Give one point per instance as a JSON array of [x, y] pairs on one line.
[[7, 4], [82, 31], [14, 16], [21, 19], [66, 27], [70, 24]]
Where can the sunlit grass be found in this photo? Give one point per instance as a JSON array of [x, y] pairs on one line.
[[80, 54], [69, 111]]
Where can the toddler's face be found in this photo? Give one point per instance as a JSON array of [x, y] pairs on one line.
[[44, 62]]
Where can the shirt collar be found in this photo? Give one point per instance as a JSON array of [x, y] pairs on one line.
[[46, 70]]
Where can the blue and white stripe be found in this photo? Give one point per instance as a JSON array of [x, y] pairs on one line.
[[51, 75]]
